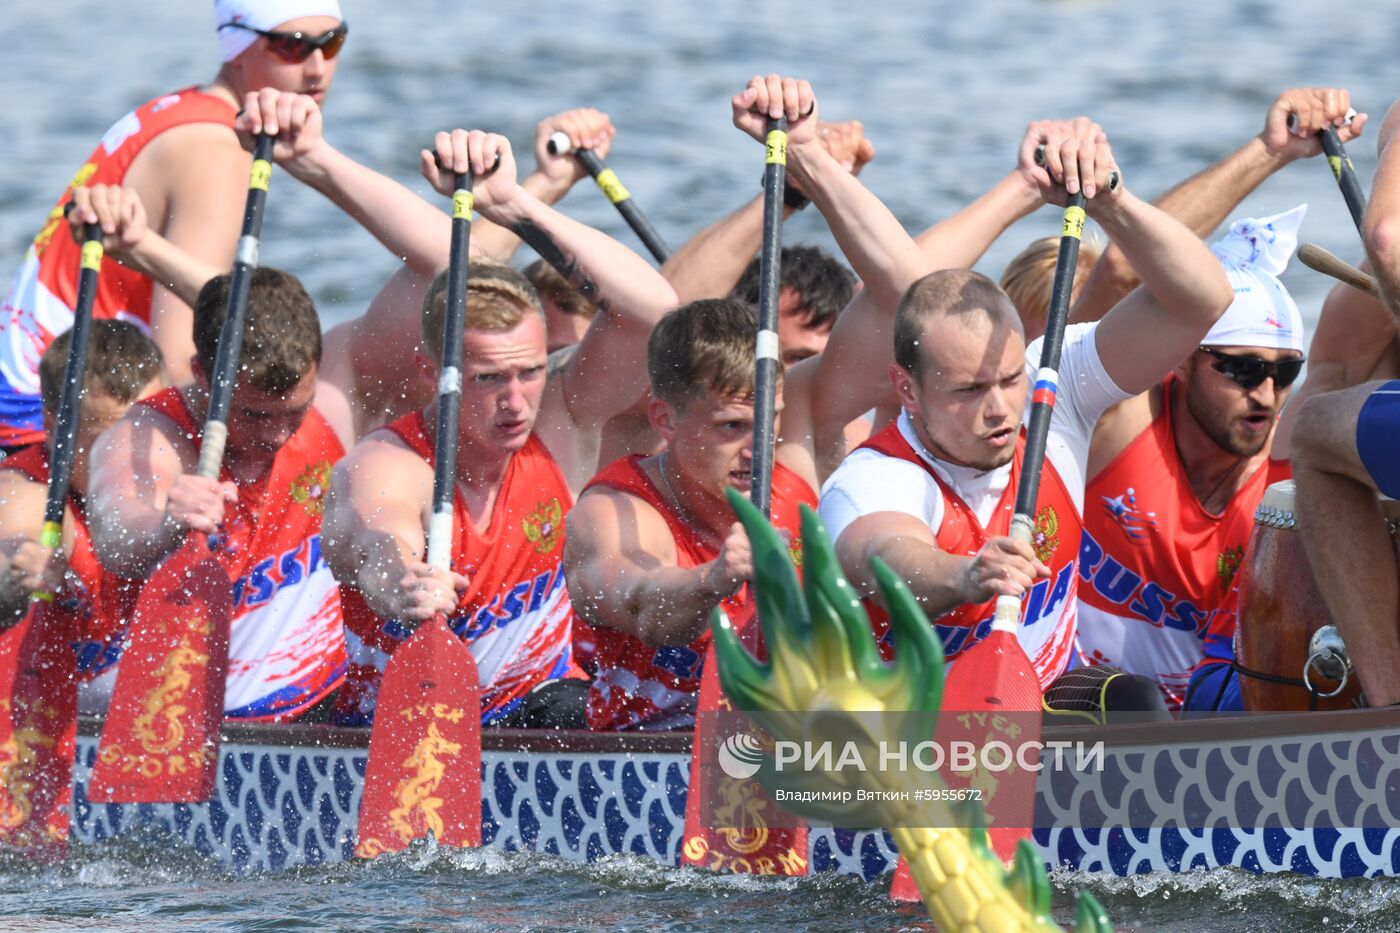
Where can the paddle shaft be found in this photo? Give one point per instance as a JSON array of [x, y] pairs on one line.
[[1342, 169], [245, 261], [1345, 173], [450, 377], [766, 352], [1008, 608], [65, 433], [429, 698], [615, 192]]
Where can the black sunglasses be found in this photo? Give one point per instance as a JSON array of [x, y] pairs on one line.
[[1251, 371], [296, 47]]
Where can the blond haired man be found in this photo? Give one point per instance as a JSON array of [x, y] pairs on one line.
[[526, 444]]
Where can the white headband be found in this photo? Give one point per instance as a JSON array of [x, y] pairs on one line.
[[262, 14], [1263, 314]]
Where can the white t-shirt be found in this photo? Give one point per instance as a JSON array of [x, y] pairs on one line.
[[868, 481]]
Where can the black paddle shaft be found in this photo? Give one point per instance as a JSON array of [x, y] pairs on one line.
[[766, 352], [225, 375], [615, 192], [450, 376], [1345, 173], [65, 435], [1342, 169], [1043, 396]]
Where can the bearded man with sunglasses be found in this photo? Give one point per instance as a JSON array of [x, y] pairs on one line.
[[180, 155], [1176, 474]]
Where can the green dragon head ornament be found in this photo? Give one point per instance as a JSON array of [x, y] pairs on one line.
[[824, 677]]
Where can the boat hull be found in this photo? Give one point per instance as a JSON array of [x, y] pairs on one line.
[[289, 795]]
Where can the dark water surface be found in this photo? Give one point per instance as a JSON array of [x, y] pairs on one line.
[[944, 90], [128, 887]]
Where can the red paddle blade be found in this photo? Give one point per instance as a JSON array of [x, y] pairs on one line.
[[994, 695], [38, 731], [753, 843], [903, 888], [424, 770], [161, 740], [994, 676]]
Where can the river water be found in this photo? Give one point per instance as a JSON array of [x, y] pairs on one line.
[[944, 91]]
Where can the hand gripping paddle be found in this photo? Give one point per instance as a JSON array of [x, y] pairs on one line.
[[161, 740], [993, 692], [1342, 169], [757, 848], [424, 770], [38, 669], [613, 189]]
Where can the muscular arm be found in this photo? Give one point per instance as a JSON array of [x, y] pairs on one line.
[[1382, 227], [133, 466], [608, 372], [850, 376], [907, 545], [178, 272], [1200, 203], [500, 243], [620, 561], [417, 232], [1184, 291], [555, 173], [959, 241], [1204, 200], [1354, 336], [128, 238], [710, 264], [193, 180], [373, 524]]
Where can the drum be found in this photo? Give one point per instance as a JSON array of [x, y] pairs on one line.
[[1280, 610]]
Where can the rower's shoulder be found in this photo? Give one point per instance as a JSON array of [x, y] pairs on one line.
[[190, 166], [146, 431], [1120, 425], [382, 456], [630, 521], [611, 493], [201, 139]]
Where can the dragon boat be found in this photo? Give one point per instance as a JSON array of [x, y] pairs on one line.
[[1316, 794]]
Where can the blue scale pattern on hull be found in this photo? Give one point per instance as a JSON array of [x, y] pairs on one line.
[[277, 807]]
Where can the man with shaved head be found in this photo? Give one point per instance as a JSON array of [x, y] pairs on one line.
[[933, 494]]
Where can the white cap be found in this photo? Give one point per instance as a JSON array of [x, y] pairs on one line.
[[1263, 314], [262, 14]]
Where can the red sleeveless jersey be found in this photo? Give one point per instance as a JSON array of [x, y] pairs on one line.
[[1047, 629], [286, 634], [645, 686], [516, 616], [1156, 567], [101, 602], [44, 291]]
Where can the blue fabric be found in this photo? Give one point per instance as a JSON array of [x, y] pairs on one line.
[[1378, 437], [21, 415], [1205, 686]]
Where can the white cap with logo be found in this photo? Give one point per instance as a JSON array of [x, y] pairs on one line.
[[1263, 314], [262, 14]]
